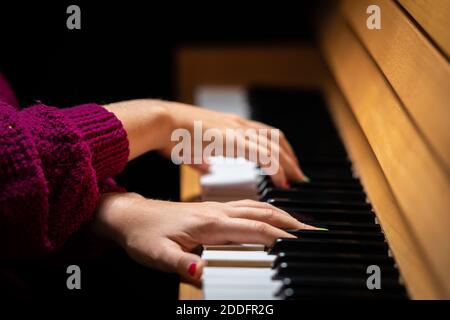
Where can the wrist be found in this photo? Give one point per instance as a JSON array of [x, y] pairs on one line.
[[148, 124], [113, 215], [164, 119], [179, 114]]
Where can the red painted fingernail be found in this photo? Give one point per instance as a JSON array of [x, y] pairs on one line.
[[192, 268]]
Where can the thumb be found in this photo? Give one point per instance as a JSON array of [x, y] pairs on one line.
[[188, 265]]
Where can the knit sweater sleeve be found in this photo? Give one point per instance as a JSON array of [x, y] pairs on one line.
[[51, 161]]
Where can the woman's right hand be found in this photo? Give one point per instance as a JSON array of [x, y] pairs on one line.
[[162, 234]]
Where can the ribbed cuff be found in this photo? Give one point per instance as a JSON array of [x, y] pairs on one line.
[[105, 135], [110, 185]]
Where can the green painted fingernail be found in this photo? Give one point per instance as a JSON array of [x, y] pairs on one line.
[[322, 229], [306, 179]]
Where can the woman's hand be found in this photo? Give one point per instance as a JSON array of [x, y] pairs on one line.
[[162, 234], [150, 123], [184, 116]]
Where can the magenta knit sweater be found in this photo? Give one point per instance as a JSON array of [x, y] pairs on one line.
[[53, 166]]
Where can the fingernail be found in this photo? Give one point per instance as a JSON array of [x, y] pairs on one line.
[[299, 174], [192, 268], [322, 229], [308, 227], [306, 179]]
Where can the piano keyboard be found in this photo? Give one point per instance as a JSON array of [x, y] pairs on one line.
[[318, 263]]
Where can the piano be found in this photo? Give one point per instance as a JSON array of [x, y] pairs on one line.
[[367, 114]]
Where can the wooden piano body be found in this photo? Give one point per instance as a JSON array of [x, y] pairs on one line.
[[388, 91]]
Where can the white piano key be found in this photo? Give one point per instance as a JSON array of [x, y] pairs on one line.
[[240, 277], [231, 99], [239, 283], [238, 294], [238, 258], [236, 272], [236, 247], [230, 179]]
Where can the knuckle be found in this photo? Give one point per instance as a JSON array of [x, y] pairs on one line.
[[260, 227], [231, 212], [270, 213], [210, 220]]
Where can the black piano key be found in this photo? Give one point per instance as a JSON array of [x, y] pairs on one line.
[[325, 186], [326, 245], [309, 121], [331, 179], [327, 282], [325, 162], [317, 216], [330, 169], [265, 183], [313, 195], [324, 173], [320, 204], [331, 293], [318, 257], [353, 184], [341, 183], [338, 235], [349, 226], [289, 269]]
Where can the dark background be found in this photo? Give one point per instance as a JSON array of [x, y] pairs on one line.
[[125, 50]]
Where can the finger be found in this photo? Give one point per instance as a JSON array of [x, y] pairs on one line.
[[269, 215], [285, 146], [237, 230], [283, 141], [187, 265], [289, 161], [268, 207], [247, 203], [279, 178], [293, 171], [254, 204]]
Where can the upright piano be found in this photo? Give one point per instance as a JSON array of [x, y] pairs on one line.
[[367, 112]]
